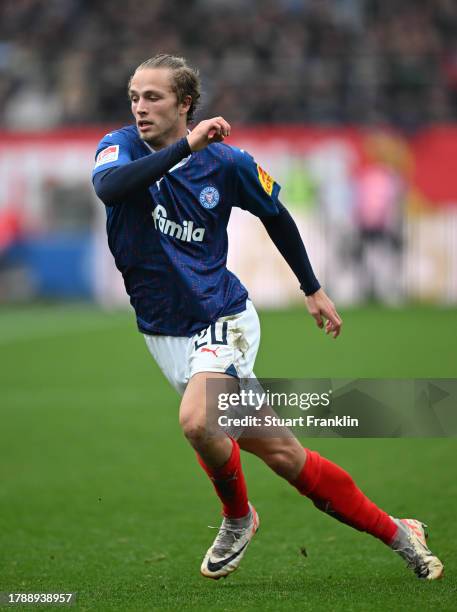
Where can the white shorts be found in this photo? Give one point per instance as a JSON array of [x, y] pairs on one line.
[[229, 346]]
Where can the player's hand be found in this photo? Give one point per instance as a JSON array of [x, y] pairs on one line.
[[321, 307], [208, 131]]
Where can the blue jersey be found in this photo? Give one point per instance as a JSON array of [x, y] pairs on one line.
[[170, 241]]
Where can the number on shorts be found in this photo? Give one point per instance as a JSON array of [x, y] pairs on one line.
[[218, 334]]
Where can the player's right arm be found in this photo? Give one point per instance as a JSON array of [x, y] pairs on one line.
[[117, 176], [207, 132]]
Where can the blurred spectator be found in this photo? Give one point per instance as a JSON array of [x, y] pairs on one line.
[[378, 215], [324, 61]]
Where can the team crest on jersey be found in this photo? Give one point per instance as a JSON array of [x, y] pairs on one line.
[[109, 154], [265, 179], [209, 197]]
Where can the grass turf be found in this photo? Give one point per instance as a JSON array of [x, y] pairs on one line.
[[101, 495]]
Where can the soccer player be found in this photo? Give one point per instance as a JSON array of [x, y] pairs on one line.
[[168, 194]]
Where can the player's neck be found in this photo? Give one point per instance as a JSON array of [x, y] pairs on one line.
[[169, 139]]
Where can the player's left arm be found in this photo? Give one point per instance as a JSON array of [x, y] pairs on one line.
[[284, 233], [258, 193]]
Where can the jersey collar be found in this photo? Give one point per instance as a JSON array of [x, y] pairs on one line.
[[176, 166]]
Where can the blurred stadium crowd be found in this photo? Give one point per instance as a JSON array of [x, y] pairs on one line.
[[319, 61]]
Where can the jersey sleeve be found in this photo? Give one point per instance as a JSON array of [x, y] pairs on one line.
[[256, 192], [113, 150]]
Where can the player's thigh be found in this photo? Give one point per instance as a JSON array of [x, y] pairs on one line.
[[171, 353]]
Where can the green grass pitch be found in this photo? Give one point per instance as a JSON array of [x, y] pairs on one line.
[[101, 495]]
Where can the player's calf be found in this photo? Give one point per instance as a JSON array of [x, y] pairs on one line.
[[333, 491], [284, 455]]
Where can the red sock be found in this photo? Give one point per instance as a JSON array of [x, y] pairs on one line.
[[332, 490], [229, 483]]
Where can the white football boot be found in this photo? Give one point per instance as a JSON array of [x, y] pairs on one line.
[[230, 544], [410, 543]]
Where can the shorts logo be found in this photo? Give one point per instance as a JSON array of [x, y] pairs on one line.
[[108, 155], [265, 179], [208, 350], [209, 197]]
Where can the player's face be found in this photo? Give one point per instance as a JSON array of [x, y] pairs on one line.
[[159, 118]]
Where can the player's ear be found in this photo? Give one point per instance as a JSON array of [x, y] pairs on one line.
[[185, 105]]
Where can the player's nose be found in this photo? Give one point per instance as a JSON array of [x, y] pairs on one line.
[[141, 108]]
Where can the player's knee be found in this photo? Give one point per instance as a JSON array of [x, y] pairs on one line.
[[194, 429]]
